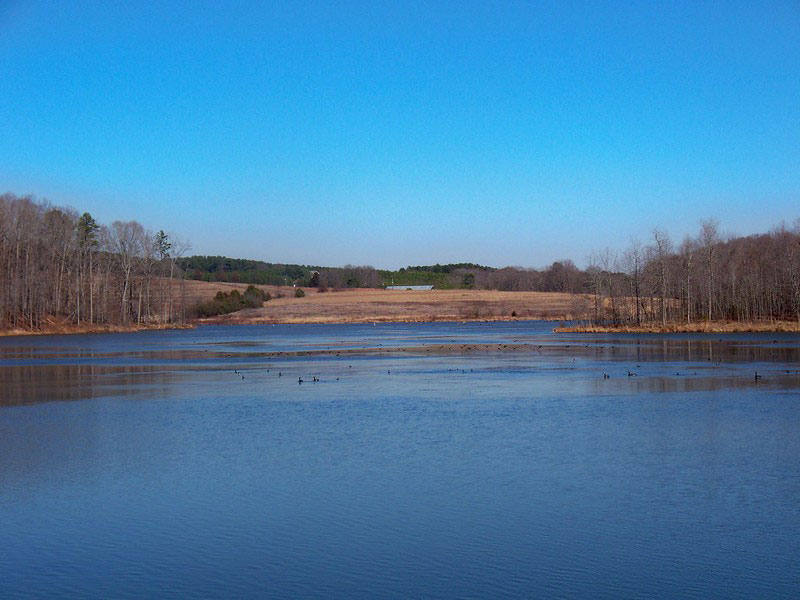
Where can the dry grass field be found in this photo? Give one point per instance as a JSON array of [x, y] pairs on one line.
[[375, 305], [200, 291]]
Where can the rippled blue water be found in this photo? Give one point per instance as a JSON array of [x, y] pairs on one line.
[[145, 465]]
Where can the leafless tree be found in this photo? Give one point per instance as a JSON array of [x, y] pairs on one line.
[[633, 261], [687, 250], [709, 239], [662, 249]]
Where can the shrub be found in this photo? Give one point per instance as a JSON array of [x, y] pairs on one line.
[[299, 293], [223, 303], [254, 297]]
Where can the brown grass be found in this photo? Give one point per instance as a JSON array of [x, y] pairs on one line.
[[59, 326], [699, 327], [373, 305], [200, 291]]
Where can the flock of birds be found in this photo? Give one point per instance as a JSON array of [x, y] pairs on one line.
[[756, 377], [300, 379], [314, 379]]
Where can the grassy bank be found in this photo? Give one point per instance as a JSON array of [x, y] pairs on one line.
[[60, 328], [700, 327]]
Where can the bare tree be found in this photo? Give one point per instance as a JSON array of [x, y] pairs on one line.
[[687, 249], [126, 239], [633, 261], [662, 248], [709, 238]]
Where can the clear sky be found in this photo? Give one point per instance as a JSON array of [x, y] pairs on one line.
[[504, 133]]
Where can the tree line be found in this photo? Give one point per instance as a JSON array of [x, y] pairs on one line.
[[706, 277], [241, 270], [561, 276], [55, 262]]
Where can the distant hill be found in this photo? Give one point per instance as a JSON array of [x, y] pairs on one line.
[[239, 270], [242, 270], [449, 276]]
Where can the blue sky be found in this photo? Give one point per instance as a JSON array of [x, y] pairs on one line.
[[505, 133]]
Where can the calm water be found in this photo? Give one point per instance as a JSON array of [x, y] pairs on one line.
[[439, 460]]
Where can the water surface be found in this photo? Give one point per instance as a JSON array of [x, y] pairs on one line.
[[429, 460]]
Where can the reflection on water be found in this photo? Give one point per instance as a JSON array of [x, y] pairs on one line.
[[427, 460], [38, 369], [28, 384]]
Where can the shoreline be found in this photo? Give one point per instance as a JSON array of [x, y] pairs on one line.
[[361, 305], [221, 320], [90, 329], [715, 327], [326, 320]]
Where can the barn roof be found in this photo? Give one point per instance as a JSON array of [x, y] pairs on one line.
[[416, 288]]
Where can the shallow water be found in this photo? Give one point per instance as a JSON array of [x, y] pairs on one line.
[[429, 460]]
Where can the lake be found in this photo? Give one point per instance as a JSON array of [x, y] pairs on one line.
[[476, 460]]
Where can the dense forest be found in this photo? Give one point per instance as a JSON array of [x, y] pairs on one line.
[[55, 262], [240, 270]]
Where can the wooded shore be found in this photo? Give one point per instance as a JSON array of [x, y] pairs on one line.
[[63, 328]]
